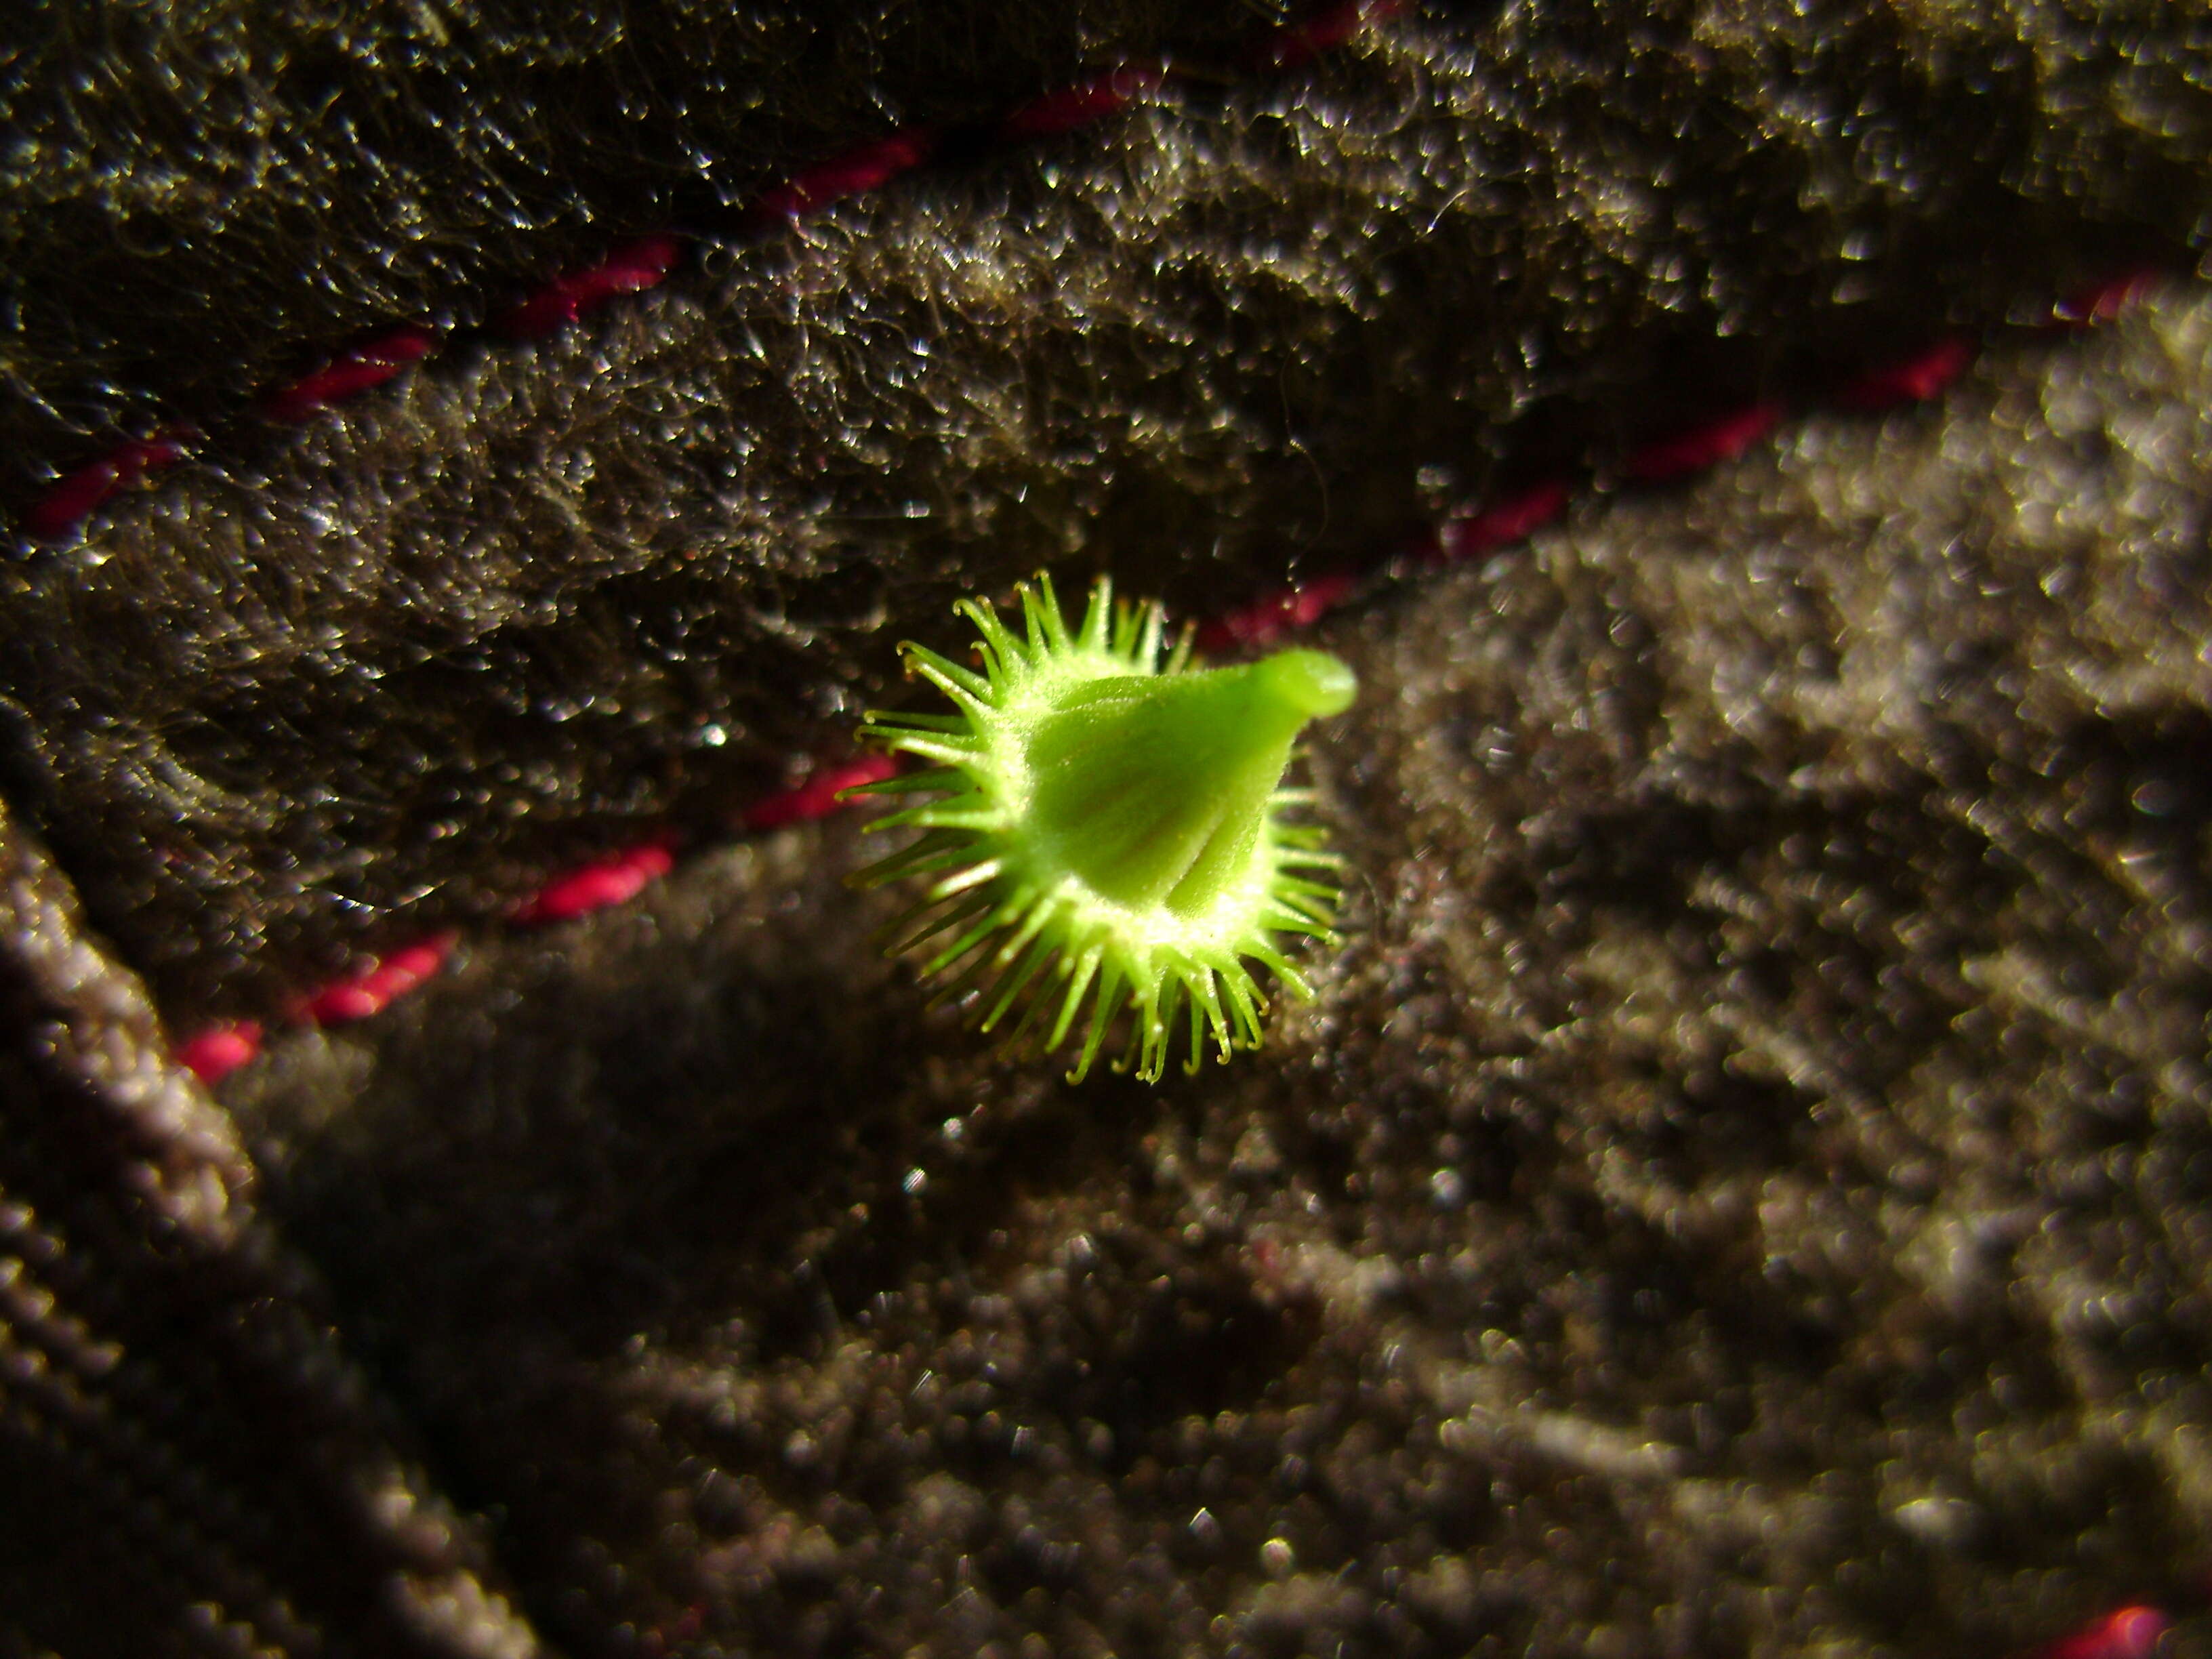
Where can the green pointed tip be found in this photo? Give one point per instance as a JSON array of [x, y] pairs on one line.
[[1310, 684], [1154, 789]]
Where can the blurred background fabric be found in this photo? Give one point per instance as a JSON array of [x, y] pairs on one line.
[[1742, 1186]]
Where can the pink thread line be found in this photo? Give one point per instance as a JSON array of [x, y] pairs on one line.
[[2130, 1632], [377, 986], [633, 268], [1702, 447], [1513, 519], [1284, 610], [348, 376], [219, 1050], [853, 173], [1917, 380], [615, 879], [1079, 106], [76, 496], [644, 263], [817, 797]]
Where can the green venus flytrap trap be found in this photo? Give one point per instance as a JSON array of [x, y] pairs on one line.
[[1108, 825]]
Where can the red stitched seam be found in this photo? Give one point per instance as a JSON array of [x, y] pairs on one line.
[[377, 986], [370, 364], [76, 496], [614, 879], [634, 267], [2129, 1632]]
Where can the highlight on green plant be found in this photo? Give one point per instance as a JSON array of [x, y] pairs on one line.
[[1108, 825]]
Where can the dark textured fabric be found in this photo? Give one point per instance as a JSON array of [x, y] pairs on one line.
[[196, 198], [461, 630], [1741, 1188], [188, 1464]]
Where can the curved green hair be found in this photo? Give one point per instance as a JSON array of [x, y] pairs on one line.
[[1108, 827]]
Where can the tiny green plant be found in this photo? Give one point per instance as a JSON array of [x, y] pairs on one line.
[[1107, 826]]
